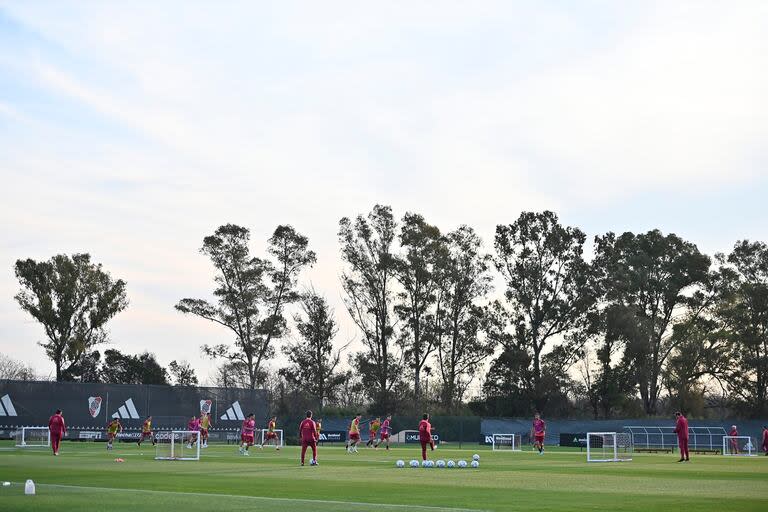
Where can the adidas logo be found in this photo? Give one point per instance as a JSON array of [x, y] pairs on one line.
[[234, 413], [127, 411], [6, 406]]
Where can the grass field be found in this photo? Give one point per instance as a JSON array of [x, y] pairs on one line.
[[86, 477]]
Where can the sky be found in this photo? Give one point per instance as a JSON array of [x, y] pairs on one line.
[[132, 130]]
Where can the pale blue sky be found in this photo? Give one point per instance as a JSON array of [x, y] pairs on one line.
[[132, 132]]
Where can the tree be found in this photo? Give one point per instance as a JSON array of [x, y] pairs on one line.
[[366, 247], [649, 280], [418, 271], [744, 311], [233, 374], [73, 299], [314, 363], [88, 369], [461, 347], [11, 369], [183, 373], [246, 305], [119, 368], [549, 292]]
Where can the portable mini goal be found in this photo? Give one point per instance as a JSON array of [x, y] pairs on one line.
[[261, 437], [506, 442], [739, 445], [609, 447], [33, 437], [178, 445]]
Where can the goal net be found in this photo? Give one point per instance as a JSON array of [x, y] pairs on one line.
[[33, 437], [609, 447], [506, 442], [739, 445], [178, 445], [263, 438]]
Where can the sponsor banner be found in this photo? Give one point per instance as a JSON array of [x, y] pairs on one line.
[[333, 436], [578, 439], [413, 437], [85, 434]]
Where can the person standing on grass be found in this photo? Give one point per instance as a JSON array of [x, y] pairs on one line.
[[681, 429], [112, 430], [765, 439], [146, 431], [354, 434], [373, 432], [385, 431], [538, 432], [734, 442], [205, 424], [246, 433], [271, 436], [425, 436], [57, 427], [308, 434]]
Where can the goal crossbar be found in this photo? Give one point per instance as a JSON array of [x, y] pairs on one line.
[[506, 442], [262, 437], [178, 445], [33, 437], [609, 447], [740, 446]]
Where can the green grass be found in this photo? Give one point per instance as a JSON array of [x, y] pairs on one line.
[[86, 477]]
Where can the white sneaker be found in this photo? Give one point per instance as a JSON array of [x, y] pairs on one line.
[[247, 454]]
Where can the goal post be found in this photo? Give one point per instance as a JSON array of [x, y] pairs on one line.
[[506, 442], [609, 447], [33, 437], [743, 446], [262, 438], [178, 445]]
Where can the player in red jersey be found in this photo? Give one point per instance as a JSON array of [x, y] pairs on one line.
[[246, 433], [425, 436], [538, 432], [354, 434], [271, 435], [146, 431], [385, 431], [734, 442], [681, 429], [308, 434], [57, 427], [765, 439], [193, 425]]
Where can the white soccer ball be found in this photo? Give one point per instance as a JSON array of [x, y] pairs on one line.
[[414, 463], [425, 463], [313, 462], [440, 463], [475, 457], [430, 463], [462, 464], [475, 464], [450, 464], [400, 464]]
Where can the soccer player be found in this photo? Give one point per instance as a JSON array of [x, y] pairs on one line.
[[765, 439], [538, 432], [425, 436], [384, 432], [734, 442], [318, 427], [112, 429], [354, 434], [205, 424], [373, 432], [681, 429], [57, 427], [194, 425], [146, 431], [246, 433], [308, 433], [271, 435]]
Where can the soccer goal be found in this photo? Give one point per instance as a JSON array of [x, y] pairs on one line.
[[33, 437], [261, 438], [739, 445], [506, 442], [178, 445], [609, 447]]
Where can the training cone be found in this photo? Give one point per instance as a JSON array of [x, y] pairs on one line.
[[29, 487]]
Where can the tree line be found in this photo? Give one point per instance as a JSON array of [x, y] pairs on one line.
[[645, 324]]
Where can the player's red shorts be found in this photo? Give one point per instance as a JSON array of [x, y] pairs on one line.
[[539, 438], [204, 431], [246, 438], [146, 434], [271, 435], [111, 436], [384, 436], [354, 436]]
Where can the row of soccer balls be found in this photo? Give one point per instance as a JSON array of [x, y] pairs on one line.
[[440, 463]]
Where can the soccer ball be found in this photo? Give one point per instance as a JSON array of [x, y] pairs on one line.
[[313, 462], [462, 463], [475, 457], [414, 463], [475, 464], [400, 464], [430, 463], [440, 463], [450, 464]]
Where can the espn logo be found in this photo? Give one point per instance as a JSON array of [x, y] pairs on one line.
[[6, 406]]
